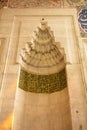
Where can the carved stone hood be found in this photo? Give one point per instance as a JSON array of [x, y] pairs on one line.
[[42, 56]]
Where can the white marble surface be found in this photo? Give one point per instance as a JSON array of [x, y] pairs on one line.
[[77, 97], [42, 111], [16, 27]]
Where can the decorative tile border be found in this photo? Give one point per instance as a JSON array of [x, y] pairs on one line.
[[35, 3], [42, 83], [75, 2], [3, 3]]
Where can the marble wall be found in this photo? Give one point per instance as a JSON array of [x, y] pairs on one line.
[[42, 111], [16, 27]]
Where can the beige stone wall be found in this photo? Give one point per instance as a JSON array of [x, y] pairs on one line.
[[16, 27]]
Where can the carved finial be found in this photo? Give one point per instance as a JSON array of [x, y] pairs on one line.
[[43, 24], [42, 19]]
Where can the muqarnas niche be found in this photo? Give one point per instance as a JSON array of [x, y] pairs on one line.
[[42, 63], [42, 83]]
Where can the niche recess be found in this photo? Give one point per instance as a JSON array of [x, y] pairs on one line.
[[42, 95]]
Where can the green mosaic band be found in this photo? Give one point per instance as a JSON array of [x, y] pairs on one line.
[[42, 83]]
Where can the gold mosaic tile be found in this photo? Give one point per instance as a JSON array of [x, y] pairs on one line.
[[42, 83]]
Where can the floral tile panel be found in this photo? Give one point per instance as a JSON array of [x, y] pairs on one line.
[[82, 19]]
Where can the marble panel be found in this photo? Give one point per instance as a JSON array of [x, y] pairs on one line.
[[76, 96], [42, 111], [3, 50], [5, 28]]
